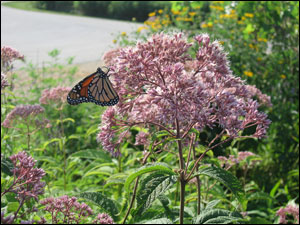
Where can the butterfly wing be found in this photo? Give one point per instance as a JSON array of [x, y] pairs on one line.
[[79, 92], [95, 88], [101, 91]]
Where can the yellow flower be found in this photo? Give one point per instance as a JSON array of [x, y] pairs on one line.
[[141, 28], [221, 42], [248, 73], [283, 76], [123, 34], [262, 39], [240, 22], [188, 19], [175, 12], [252, 46], [219, 8], [243, 18], [151, 14], [205, 25], [249, 15], [259, 59], [160, 11], [232, 11], [114, 41], [192, 13]]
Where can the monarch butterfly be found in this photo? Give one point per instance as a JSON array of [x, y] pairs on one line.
[[95, 88]]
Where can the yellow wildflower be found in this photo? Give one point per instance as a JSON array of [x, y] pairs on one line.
[[259, 59], [141, 28], [123, 34], [160, 11], [262, 39], [283, 76], [252, 46], [114, 41], [192, 13], [249, 15], [219, 8], [243, 18], [248, 73], [205, 25], [221, 42], [175, 12], [188, 19], [151, 14]]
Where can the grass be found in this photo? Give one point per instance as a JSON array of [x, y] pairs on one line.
[[25, 5], [29, 6]]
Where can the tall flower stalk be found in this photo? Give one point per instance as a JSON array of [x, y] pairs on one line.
[[162, 87]]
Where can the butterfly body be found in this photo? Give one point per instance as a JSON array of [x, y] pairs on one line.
[[95, 88]]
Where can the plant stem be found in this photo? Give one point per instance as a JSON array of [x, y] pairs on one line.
[[132, 199], [182, 176]]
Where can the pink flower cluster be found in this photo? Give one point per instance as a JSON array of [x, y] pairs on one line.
[[9, 54], [103, 218], [159, 83], [27, 179], [4, 82], [292, 209], [58, 94], [239, 160], [66, 209], [23, 112]]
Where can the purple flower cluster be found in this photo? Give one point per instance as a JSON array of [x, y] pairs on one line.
[[66, 209], [9, 54], [4, 82], [103, 218], [27, 179], [292, 209], [58, 94], [23, 112], [239, 160], [159, 83]]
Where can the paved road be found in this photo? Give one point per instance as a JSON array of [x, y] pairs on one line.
[[34, 34]]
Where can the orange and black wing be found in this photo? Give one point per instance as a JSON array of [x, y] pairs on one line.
[[95, 88], [101, 91]]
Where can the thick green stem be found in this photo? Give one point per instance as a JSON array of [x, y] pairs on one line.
[[182, 175]]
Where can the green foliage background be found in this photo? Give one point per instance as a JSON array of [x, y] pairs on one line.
[[262, 41]]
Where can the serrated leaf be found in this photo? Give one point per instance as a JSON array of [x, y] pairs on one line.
[[225, 178], [212, 204], [208, 215], [151, 187], [158, 221], [161, 167], [222, 220], [92, 154], [7, 166], [101, 200]]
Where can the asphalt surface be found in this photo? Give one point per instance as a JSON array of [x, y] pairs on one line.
[[34, 34]]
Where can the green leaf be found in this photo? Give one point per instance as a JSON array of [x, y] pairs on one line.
[[158, 221], [147, 169], [212, 204], [216, 216], [151, 188], [7, 166], [92, 154], [101, 200], [225, 178]]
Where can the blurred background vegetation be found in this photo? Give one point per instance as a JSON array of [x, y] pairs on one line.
[[262, 41]]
